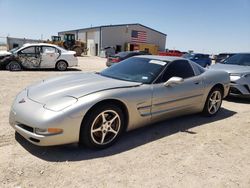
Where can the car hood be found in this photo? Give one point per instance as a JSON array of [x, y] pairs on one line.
[[74, 85], [231, 68], [4, 53]]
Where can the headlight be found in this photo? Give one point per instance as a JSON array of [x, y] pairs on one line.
[[246, 75], [48, 131], [60, 104], [234, 77]]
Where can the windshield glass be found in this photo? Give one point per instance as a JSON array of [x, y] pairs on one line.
[[135, 69], [188, 56], [238, 59], [14, 50]]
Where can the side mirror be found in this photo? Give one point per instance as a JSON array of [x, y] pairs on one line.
[[173, 81]]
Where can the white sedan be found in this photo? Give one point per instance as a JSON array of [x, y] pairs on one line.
[[39, 55]]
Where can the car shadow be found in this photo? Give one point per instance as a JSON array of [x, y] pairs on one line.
[[45, 70], [51, 70], [128, 141], [242, 100]]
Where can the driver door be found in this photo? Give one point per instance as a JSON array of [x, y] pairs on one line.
[[49, 56], [180, 98]]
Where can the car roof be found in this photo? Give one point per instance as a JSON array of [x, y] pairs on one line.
[[39, 44], [161, 58]]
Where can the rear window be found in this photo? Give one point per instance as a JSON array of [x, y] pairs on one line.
[[122, 54]]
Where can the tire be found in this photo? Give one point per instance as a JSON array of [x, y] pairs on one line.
[[61, 66], [213, 102], [102, 127], [14, 66]]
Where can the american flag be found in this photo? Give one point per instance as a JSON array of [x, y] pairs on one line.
[[139, 36]]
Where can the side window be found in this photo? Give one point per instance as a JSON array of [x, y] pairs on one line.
[[29, 50], [48, 49], [245, 60], [179, 68], [198, 69]]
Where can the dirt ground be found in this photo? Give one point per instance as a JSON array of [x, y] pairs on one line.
[[191, 151]]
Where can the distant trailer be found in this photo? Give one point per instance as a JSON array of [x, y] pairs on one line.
[[18, 42]]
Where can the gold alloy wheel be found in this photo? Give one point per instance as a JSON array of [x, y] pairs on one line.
[[214, 102], [105, 127]]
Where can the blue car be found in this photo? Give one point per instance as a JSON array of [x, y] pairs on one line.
[[201, 59]]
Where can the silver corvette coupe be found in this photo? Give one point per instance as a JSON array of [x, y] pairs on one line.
[[96, 108]]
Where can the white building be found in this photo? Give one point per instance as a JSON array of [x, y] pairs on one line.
[[118, 36]]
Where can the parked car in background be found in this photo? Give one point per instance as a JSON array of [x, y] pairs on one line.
[[201, 59], [122, 56], [221, 57], [38, 55], [107, 51], [238, 66], [171, 53], [96, 108]]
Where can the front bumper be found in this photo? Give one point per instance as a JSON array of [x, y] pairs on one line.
[[240, 86], [238, 89], [25, 117]]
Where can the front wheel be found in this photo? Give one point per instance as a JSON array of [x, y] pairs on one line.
[[213, 102], [102, 127], [14, 66]]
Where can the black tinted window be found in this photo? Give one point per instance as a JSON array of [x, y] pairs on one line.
[[122, 54], [245, 60], [179, 68], [234, 60], [135, 69]]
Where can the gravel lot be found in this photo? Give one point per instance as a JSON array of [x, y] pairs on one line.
[[191, 151]]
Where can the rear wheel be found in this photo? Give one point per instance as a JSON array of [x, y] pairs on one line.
[[102, 127], [213, 102], [14, 66], [61, 65]]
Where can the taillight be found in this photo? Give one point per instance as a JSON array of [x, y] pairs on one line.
[[115, 60]]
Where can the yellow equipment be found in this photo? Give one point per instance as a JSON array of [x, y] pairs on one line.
[[69, 43], [151, 48]]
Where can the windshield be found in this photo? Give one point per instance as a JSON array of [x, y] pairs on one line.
[[238, 59], [188, 56], [14, 50], [135, 69]]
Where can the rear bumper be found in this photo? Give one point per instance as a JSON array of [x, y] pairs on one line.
[[73, 62]]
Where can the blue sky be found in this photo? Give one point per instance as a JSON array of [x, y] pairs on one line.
[[210, 26]]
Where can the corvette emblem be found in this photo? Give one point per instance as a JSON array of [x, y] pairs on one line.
[[22, 101]]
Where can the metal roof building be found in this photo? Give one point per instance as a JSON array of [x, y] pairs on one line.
[[122, 37]]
